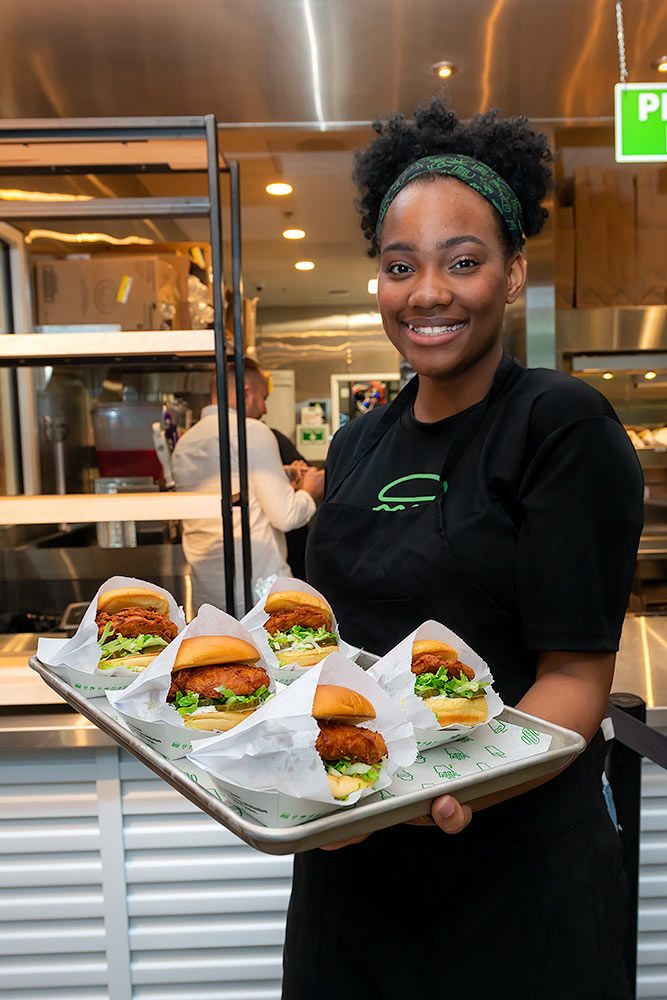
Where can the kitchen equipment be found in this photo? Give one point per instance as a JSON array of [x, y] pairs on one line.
[[124, 439]]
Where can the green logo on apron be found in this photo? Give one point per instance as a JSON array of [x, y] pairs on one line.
[[413, 501]]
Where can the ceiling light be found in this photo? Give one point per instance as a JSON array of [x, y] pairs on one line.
[[279, 188], [304, 265], [372, 286], [607, 375], [660, 64], [649, 375], [13, 194], [117, 241], [443, 69], [293, 234]]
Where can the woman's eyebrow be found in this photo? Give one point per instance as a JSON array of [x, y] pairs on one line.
[[406, 247], [455, 240]]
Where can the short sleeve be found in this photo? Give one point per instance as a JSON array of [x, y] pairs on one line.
[[581, 512]]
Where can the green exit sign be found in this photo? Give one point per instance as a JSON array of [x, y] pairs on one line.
[[641, 121], [312, 435]]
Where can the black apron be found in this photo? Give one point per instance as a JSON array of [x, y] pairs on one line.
[[530, 899]]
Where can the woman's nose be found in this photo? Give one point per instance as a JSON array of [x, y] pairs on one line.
[[430, 289]]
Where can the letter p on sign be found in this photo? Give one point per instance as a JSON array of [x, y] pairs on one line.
[[641, 122]]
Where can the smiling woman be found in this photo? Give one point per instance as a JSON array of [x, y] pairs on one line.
[[507, 504]]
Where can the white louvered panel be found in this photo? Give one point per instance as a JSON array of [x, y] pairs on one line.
[[49, 972], [652, 916], [233, 991], [654, 813], [152, 796], [256, 896], [652, 949], [193, 863], [207, 966], [653, 847], [650, 983], [48, 937], [50, 869], [233, 931], [174, 830], [74, 833], [51, 903], [68, 993], [53, 766], [47, 800]]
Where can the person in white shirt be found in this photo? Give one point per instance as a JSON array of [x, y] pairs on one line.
[[274, 507]]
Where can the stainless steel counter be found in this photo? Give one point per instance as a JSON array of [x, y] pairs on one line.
[[33, 717]]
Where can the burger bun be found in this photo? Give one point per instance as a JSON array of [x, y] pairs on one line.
[[289, 600], [422, 646], [333, 703], [217, 722], [213, 650], [346, 784], [112, 601], [458, 711], [305, 657]]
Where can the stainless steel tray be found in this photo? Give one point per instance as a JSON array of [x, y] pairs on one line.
[[365, 817]]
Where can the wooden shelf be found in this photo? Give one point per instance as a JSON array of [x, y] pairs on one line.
[[52, 348], [81, 507]]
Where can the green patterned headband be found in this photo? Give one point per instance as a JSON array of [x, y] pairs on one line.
[[477, 175]]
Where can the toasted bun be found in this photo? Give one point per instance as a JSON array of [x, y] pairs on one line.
[[212, 650], [345, 784], [462, 711], [433, 646], [288, 600], [305, 657], [135, 663], [340, 704], [217, 722], [112, 601]]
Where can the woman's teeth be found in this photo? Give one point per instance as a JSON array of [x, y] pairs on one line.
[[435, 331]]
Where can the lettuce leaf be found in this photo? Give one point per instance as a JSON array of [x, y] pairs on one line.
[[300, 637], [188, 703], [430, 685], [120, 645]]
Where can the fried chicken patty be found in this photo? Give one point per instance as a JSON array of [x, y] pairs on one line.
[[281, 621], [338, 739], [204, 681], [132, 622], [430, 663]]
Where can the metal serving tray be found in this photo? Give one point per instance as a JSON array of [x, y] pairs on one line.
[[363, 818]]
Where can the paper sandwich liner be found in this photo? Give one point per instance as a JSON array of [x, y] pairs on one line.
[[143, 705], [76, 659], [257, 616], [271, 769], [393, 673]]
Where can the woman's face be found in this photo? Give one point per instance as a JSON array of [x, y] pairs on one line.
[[444, 277]]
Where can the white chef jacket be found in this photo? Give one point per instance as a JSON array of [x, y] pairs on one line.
[[274, 507]]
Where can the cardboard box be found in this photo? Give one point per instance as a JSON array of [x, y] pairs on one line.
[[121, 290]]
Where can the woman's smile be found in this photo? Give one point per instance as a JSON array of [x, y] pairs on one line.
[[433, 331]]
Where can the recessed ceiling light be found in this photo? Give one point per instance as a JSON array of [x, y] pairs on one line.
[[13, 194], [443, 69], [649, 375], [293, 234], [607, 375], [372, 286], [660, 64], [304, 265], [279, 188]]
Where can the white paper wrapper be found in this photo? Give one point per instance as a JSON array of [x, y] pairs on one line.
[[271, 768], [76, 659], [143, 705], [393, 673], [257, 616]]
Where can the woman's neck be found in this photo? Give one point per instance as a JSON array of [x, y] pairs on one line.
[[442, 396]]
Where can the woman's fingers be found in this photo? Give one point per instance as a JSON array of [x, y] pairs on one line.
[[344, 843], [450, 815]]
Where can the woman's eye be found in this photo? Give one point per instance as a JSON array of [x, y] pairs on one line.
[[465, 262], [397, 268]]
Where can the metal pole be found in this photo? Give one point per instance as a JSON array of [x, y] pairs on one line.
[[220, 371], [624, 773], [237, 296]]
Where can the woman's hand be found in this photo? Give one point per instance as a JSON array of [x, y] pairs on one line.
[[446, 812]]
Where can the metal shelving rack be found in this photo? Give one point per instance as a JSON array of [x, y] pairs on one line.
[[26, 349]]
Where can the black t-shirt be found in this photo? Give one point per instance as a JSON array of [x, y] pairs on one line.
[[543, 510]]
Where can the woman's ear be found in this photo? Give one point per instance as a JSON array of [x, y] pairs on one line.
[[516, 277]]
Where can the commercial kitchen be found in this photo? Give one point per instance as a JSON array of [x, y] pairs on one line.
[[112, 885]]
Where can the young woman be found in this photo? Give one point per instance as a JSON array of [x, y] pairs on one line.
[[507, 503]]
